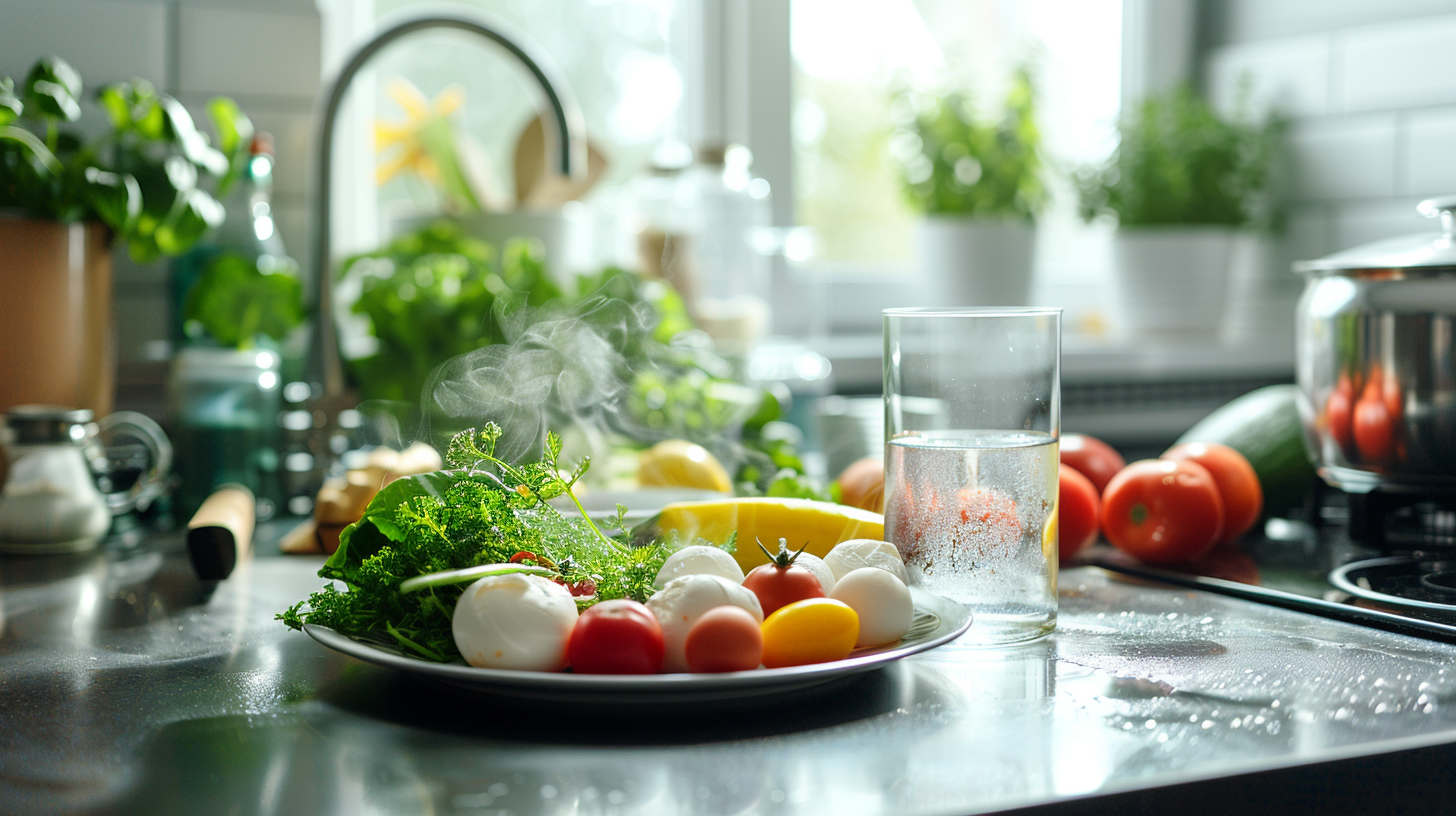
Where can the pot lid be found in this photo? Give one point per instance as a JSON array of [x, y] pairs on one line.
[[1423, 249]]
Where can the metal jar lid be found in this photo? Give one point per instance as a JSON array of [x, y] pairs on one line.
[[46, 424], [1422, 250]]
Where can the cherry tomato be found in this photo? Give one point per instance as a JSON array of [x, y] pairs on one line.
[[989, 524], [1373, 426], [1092, 458], [1078, 508], [816, 630], [1162, 512], [724, 639], [616, 637], [781, 582], [1338, 410], [1238, 484]]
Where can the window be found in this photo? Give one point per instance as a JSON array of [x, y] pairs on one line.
[[851, 55]]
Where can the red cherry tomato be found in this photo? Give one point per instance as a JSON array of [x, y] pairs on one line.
[[781, 582], [1162, 512], [724, 639], [1373, 426], [1078, 508], [1238, 484], [989, 523], [1092, 458], [1338, 411], [616, 637]]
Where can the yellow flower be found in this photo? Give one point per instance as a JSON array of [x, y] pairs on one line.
[[400, 144]]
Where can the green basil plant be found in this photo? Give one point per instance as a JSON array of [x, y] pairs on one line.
[[152, 177]]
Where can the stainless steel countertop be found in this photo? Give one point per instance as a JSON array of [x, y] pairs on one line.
[[128, 687]]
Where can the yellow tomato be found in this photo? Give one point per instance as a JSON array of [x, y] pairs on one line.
[[814, 630]]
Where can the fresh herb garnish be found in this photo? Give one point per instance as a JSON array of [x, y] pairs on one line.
[[483, 511]]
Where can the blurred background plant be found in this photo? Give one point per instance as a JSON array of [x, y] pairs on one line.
[[956, 159], [1179, 162], [152, 177], [470, 332]]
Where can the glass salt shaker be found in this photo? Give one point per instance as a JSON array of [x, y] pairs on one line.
[[50, 502]]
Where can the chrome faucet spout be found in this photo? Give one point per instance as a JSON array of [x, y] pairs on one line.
[[566, 128]]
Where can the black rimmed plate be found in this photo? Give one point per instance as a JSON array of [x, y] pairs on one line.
[[937, 621]]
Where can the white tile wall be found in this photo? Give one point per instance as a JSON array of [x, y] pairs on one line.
[[1428, 163], [1398, 65], [105, 41], [1361, 223], [1371, 95], [1343, 158], [1292, 76], [248, 52]]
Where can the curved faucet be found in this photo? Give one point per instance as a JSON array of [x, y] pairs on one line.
[[566, 121]]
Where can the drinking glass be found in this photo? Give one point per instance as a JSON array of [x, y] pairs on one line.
[[972, 419]]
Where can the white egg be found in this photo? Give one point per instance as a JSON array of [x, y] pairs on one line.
[[698, 559], [514, 621], [821, 570], [882, 602], [848, 556], [679, 605]]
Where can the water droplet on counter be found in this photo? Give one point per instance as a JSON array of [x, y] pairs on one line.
[[548, 791]]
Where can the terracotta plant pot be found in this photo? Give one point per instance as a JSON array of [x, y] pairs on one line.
[[56, 346]]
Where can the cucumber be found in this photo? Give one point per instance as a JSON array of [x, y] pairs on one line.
[[1264, 426]]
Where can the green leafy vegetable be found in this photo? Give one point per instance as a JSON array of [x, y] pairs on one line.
[[483, 511]]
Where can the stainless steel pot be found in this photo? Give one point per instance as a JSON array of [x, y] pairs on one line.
[[1376, 357]]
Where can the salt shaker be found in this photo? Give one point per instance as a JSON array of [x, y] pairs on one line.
[[49, 502]]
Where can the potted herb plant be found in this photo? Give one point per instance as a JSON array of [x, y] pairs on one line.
[[978, 183], [1185, 186], [149, 180]]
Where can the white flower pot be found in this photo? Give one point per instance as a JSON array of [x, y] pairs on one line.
[[974, 262], [1173, 280]]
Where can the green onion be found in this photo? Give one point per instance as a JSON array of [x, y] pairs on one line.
[[461, 576]]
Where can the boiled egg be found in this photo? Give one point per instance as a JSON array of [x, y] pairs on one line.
[[514, 621], [882, 602], [679, 605], [848, 556], [816, 566]]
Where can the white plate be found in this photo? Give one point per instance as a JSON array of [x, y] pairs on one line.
[[937, 621]]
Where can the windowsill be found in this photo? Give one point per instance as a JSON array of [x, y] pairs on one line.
[[1091, 360]]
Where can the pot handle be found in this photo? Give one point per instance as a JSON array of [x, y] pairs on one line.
[[1445, 208]]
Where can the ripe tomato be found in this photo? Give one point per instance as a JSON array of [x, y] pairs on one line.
[[1092, 458], [816, 630], [616, 637], [862, 485], [781, 582], [1162, 512], [1338, 410], [1238, 484], [1373, 426], [724, 639], [989, 523], [1078, 508]]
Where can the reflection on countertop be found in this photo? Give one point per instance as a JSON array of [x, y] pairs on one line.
[[128, 686]]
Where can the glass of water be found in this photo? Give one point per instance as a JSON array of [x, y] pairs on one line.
[[972, 418]]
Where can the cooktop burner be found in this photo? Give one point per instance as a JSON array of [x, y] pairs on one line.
[[1408, 584]]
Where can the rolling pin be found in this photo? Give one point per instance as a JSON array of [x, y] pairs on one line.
[[220, 535]]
